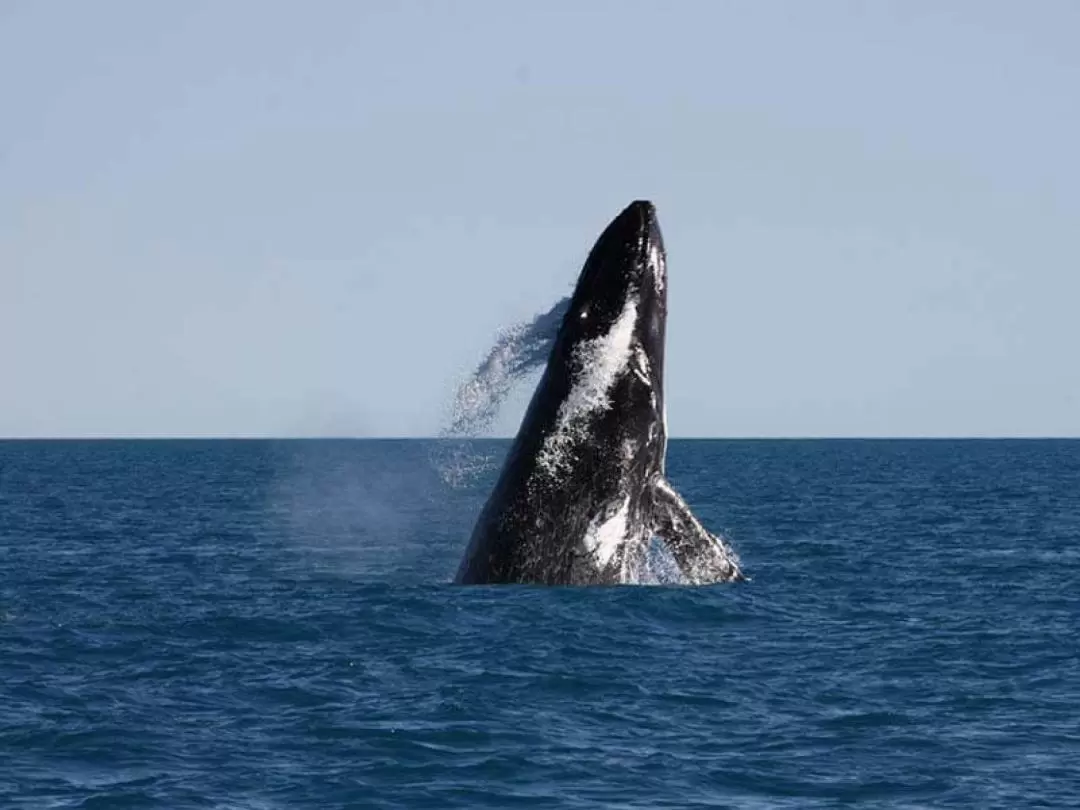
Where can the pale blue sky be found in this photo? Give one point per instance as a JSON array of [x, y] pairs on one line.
[[270, 218]]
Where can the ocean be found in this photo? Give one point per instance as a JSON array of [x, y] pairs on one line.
[[257, 625]]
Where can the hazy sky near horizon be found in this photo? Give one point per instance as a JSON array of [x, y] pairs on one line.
[[279, 218]]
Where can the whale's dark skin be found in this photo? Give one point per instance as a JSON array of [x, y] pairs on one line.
[[582, 489]]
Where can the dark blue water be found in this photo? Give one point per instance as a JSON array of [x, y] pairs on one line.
[[268, 625]]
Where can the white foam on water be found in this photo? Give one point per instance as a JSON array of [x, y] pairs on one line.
[[660, 567]]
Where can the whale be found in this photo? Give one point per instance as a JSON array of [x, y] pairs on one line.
[[582, 491]]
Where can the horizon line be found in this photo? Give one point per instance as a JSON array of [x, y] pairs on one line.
[[766, 438]]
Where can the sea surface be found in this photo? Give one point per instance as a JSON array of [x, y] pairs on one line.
[[269, 624]]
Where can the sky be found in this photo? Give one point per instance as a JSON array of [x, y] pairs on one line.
[[260, 218]]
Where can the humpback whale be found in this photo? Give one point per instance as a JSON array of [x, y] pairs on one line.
[[582, 490]]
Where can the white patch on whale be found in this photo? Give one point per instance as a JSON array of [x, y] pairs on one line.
[[606, 534], [599, 363], [642, 367], [657, 265]]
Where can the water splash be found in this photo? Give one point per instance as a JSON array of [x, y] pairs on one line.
[[460, 463], [660, 566], [518, 351]]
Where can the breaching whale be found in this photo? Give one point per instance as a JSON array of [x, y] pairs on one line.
[[582, 490]]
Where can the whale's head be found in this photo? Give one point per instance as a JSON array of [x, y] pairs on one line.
[[620, 301], [605, 376]]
